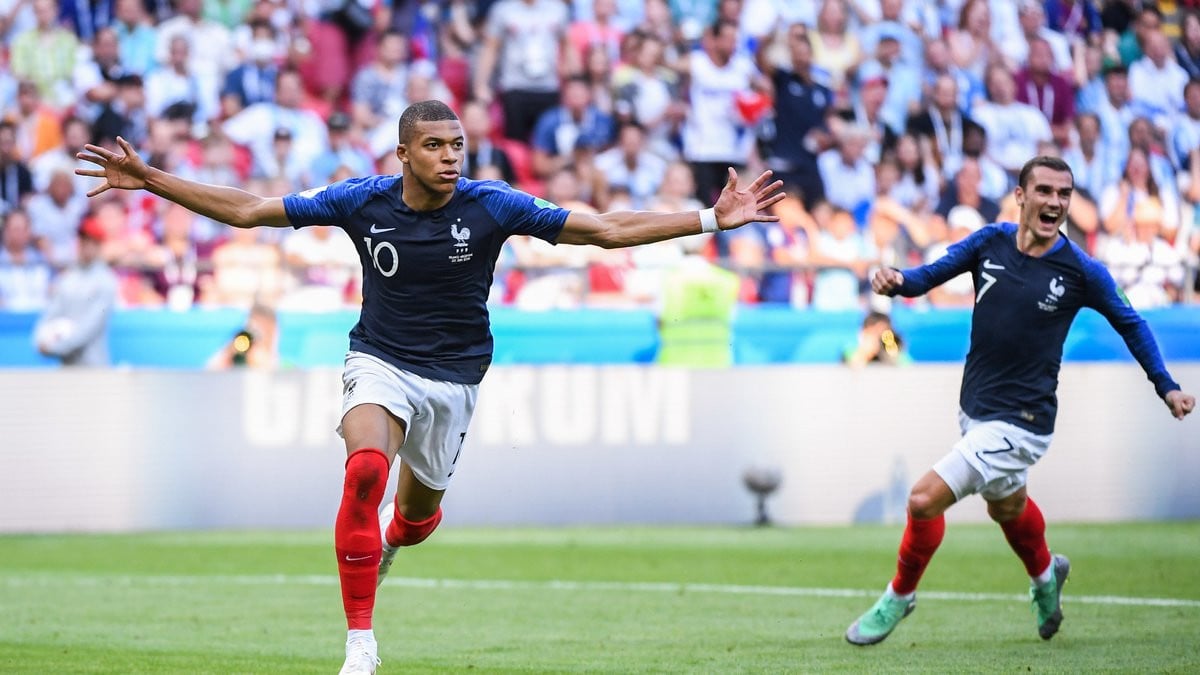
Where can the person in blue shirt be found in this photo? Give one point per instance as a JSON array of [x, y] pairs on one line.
[[428, 241], [1030, 282]]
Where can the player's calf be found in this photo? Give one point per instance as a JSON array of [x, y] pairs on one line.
[[398, 532]]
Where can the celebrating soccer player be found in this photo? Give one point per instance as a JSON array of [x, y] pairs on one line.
[[428, 241], [1030, 282]]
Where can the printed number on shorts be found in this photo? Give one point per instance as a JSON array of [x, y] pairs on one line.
[[461, 438]]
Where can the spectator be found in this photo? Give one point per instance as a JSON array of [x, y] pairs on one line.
[[219, 164], [1078, 20], [1137, 184], [902, 82], [631, 167], [714, 139], [95, 77], [252, 81], [526, 41], [255, 126], [74, 327], [891, 24], [1133, 39], [938, 64], [1013, 128], [56, 215], [124, 116], [1089, 78], [75, 134], [1147, 268], [798, 127], [1115, 110], [843, 256], [176, 83], [39, 127], [245, 271], [1031, 16], [648, 92], [971, 44], [598, 73], [344, 152], [16, 182], [377, 93], [45, 55], [1187, 49], [836, 49], [916, 185], [867, 111], [283, 162], [899, 233], [574, 124], [1091, 160], [602, 29], [210, 53], [964, 190], [787, 279], [847, 173], [323, 267], [137, 37], [1156, 80], [179, 267], [1038, 85], [482, 152], [943, 125], [24, 273]]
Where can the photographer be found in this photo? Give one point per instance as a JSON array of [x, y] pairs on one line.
[[877, 343], [254, 346]]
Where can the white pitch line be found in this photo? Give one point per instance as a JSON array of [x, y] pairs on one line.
[[559, 585]]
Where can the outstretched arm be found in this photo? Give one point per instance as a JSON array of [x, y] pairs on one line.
[[619, 229], [127, 171]]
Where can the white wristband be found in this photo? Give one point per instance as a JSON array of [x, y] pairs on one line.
[[708, 220]]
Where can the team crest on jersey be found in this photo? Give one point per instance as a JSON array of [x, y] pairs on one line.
[[462, 238], [1057, 290]]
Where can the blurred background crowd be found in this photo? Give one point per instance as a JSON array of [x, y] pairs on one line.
[[897, 126]]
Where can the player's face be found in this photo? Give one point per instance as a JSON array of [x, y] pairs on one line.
[[1044, 201], [434, 156]]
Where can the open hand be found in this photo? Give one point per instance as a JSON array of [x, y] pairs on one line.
[[735, 207], [1180, 403], [125, 171]]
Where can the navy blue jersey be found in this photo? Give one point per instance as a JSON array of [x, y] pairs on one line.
[[1024, 307], [426, 274]]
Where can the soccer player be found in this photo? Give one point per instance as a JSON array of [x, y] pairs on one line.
[[428, 241], [1030, 282]]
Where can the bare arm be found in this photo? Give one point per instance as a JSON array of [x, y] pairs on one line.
[[228, 205], [619, 229], [484, 68]]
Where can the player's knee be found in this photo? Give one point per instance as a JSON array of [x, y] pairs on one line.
[[410, 533], [366, 475], [923, 506], [1006, 509]]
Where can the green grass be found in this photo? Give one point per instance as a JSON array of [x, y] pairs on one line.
[[715, 600]]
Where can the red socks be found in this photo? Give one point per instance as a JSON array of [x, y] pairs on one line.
[[402, 532], [356, 534], [1026, 534], [920, 542]]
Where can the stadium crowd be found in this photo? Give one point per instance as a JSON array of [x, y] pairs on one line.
[[897, 127]]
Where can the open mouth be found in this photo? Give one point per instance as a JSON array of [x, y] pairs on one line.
[[1049, 218]]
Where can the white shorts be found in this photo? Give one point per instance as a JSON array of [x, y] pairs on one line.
[[992, 458], [435, 413]]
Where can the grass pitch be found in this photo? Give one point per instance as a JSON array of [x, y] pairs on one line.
[[617, 600]]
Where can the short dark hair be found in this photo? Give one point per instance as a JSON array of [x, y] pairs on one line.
[[1052, 163], [423, 111]]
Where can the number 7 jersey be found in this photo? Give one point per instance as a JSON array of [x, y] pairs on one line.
[[426, 274], [1024, 307]]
